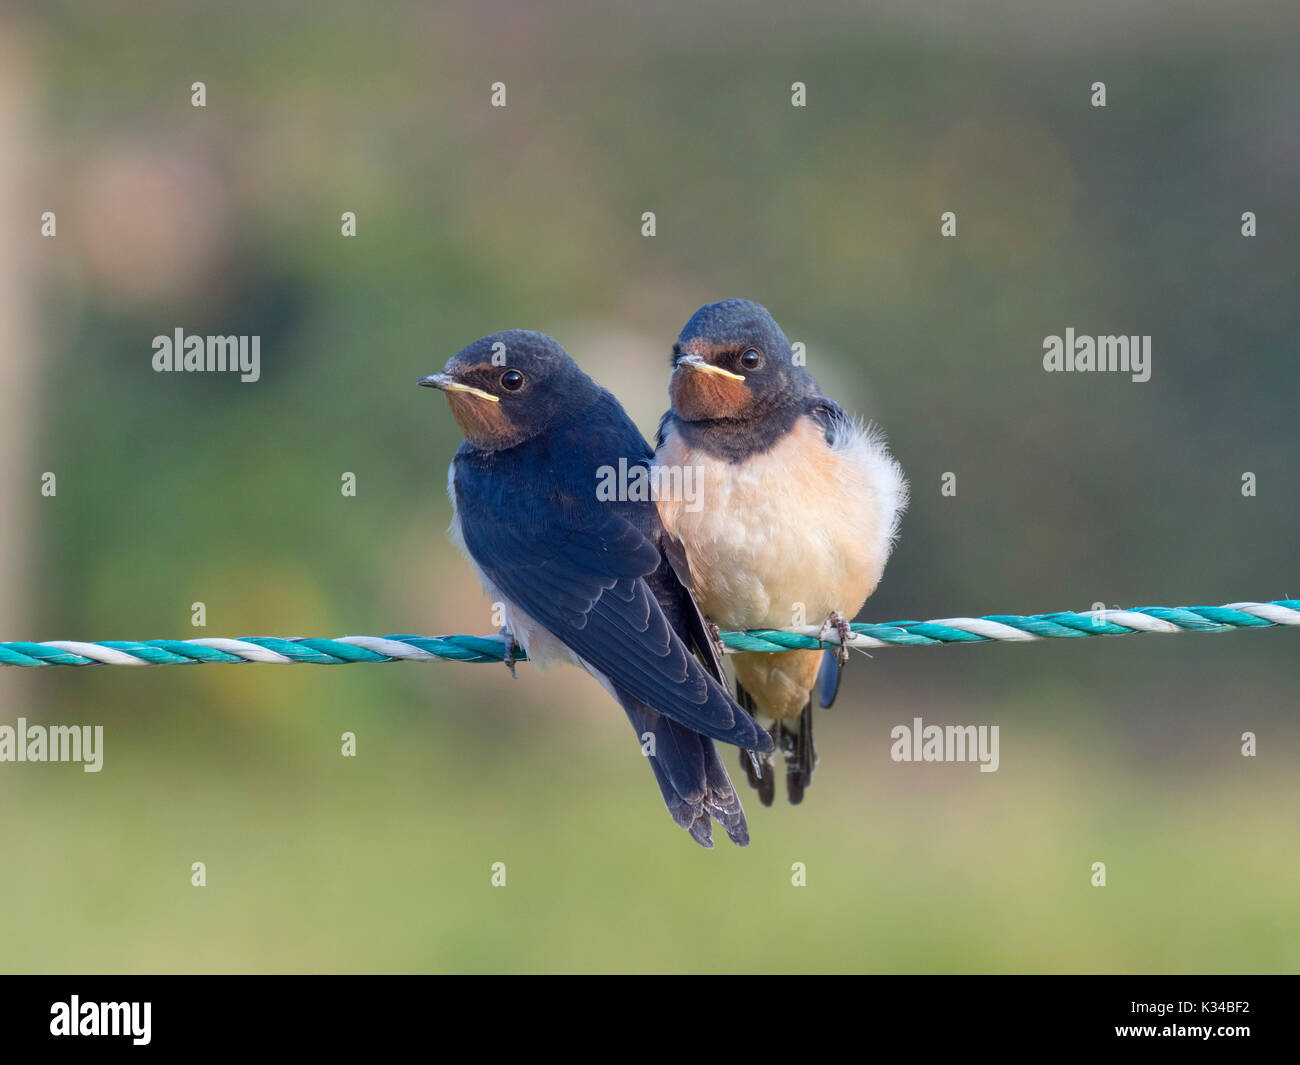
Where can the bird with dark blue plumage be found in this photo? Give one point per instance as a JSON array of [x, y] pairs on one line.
[[795, 512], [587, 578]]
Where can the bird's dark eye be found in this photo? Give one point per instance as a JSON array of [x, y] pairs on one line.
[[751, 360], [512, 380]]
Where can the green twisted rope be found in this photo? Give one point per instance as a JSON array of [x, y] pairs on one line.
[[1067, 625]]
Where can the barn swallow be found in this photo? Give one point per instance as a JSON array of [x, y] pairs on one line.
[[800, 508], [595, 580]]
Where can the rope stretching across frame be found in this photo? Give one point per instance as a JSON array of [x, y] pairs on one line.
[[1010, 628]]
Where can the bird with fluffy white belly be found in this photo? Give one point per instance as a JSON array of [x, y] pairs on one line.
[[797, 511]]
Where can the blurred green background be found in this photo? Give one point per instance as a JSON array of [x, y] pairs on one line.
[[1071, 489]]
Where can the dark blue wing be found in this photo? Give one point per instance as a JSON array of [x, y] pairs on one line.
[[592, 572]]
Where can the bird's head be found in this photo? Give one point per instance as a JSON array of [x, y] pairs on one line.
[[511, 386], [731, 362]]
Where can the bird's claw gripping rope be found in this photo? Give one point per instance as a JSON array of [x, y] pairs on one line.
[[839, 625], [715, 634], [512, 650], [349, 649]]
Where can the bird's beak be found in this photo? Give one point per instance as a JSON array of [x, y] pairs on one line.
[[695, 362], [444, 382]]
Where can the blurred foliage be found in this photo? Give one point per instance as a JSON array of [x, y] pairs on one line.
[[1072, 489]]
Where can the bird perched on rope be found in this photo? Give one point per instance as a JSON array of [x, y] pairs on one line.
[[799, 508], [597, 581]]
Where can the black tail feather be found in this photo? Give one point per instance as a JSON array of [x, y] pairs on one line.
[[795, 740], [761, 776], [800, 754]]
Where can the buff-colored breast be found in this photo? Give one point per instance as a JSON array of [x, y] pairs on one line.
[[785, 538], [799, 529]]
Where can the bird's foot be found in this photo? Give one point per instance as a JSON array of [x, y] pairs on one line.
[[511, 647], [715, 634], [839, 624]]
